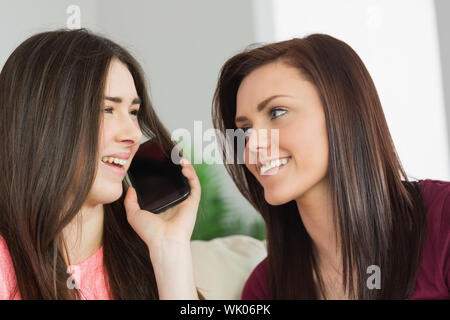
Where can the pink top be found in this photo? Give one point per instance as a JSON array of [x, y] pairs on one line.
[[433, 278], [88, 276]]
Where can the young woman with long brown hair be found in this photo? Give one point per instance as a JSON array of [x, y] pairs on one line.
[[337, 203], [71, 103]]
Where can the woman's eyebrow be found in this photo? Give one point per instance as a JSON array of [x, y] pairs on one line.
[[136, 100], [261, 106]]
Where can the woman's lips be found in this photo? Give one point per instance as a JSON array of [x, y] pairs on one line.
[[279, 164], [119, 170], [273, 171]]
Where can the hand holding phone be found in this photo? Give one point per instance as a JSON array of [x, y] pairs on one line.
[[158, 181], [175, 224]]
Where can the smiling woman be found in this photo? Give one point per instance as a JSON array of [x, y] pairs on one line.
[[336, 200], [119, 131], [73, 109]]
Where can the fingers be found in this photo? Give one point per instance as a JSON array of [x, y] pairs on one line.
[[189, 172], [130, 202]]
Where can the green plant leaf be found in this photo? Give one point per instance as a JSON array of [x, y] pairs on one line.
[[217, 217]]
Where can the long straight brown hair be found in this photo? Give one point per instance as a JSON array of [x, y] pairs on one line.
[[51, 97], [380, 214]]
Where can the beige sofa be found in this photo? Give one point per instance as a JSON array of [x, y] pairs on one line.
[[222, 265]]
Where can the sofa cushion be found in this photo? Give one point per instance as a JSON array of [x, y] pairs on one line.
[[222, 265]]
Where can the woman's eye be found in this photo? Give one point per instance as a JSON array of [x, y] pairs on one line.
[[276, 112], [133, 112]]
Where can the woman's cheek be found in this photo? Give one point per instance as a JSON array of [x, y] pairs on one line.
[[105, 136]]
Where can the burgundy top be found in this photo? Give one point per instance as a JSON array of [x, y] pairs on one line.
[[433, 278]]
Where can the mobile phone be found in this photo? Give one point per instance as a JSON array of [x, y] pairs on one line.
[[159, 183]]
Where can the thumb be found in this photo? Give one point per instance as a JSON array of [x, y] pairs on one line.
[[130, 201]]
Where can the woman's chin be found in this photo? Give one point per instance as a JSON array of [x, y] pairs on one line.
[[275, 199], [110, 194]]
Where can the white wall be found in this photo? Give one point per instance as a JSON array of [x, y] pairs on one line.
[[397, 40], [442, 10], [20, 19]]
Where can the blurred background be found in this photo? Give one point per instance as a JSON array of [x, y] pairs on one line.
[[182, 45]]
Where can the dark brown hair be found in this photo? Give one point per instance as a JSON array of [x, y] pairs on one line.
[[379, 213], [51, 98]]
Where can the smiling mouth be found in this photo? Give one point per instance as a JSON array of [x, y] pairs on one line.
[[115, 161], [272, 167], [117, 168]]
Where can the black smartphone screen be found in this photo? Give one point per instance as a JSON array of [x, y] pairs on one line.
[[158, 181]]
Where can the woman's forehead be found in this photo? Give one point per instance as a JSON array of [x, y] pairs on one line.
[[273, 79], [119, 81]]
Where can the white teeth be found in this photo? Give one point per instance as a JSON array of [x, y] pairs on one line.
[[273, 164], [115, 160]]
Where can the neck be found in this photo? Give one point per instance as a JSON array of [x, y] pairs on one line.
[[84, 234], [316, 211]]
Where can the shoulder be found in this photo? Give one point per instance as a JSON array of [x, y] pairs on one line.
[[5, 257], [7, 275], [257, 285], [436, 196], [436, 250]]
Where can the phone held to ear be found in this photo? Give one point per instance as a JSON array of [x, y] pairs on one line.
[[158, 181]]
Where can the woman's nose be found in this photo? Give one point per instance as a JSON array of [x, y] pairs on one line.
[[258, 140], [129, 130], [263, 144]]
